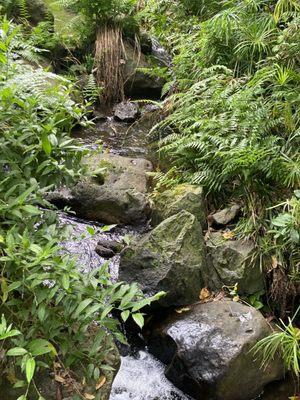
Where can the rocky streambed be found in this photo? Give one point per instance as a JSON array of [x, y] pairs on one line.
[[202, 347]]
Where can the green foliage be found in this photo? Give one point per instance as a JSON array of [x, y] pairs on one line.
[[232, 119], [58, 312], [286, 342]]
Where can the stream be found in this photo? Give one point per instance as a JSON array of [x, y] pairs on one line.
[[141, 376]]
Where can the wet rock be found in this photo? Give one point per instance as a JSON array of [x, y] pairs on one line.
[[108, 248], [139, 84], [226, 216], [116, 195], [104, 251], [169, 258], [181, 197], [114, 245], [208, 351], [145, 42], [229, 262], [126, 111]]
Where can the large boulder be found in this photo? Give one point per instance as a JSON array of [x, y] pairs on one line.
[[208, 351], [139, 83], [181, 197], [36, 10], [118, 194], [170, 258], [230, 262]]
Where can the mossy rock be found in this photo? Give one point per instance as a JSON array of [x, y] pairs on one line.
[[169, 258], [181, 197], [229, 262], [116, 195]]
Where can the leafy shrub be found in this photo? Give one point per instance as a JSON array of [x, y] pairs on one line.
[[58, 312], [285, 342], [232, 120]]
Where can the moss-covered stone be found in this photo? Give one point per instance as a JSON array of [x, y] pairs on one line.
[[181, 197], [230, 262], [118, 194], [169, 258]]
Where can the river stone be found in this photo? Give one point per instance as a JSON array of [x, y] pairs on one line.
[[169, 258], [229, 262], [116, 196], [181, 197], [224, 217], [126, 111], [208, 351]]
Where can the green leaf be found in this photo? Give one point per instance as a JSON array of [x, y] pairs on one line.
[[91, 230], [125, 315], [46, 144], [29, 369], [19, 384], [82, 305], [16, 351], [65, 281], [23, 397], [139, 319], [107, 228], [4, 290], [39, 347], [31, 209], [13, 332]]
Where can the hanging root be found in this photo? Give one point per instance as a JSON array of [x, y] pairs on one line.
[[108, 64], [282, 291]]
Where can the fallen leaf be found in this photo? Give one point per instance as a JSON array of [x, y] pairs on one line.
[[228, 235], [59, 378], [204, 294], [89, 396], [181, 310], [236, 298], [101, 382]]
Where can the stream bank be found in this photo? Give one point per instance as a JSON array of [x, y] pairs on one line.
[[141, 376]]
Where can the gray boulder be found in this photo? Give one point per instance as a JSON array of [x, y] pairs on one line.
[[208, 351], [126, 111], [116, 195], [230, 262], [138, 83], [169, 258], [181, 197], [226, 216]]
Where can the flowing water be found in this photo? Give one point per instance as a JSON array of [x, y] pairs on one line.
[[141, 376]]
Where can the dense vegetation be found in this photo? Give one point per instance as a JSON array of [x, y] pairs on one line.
[[233, 108], [49, 307], [231, 123]]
